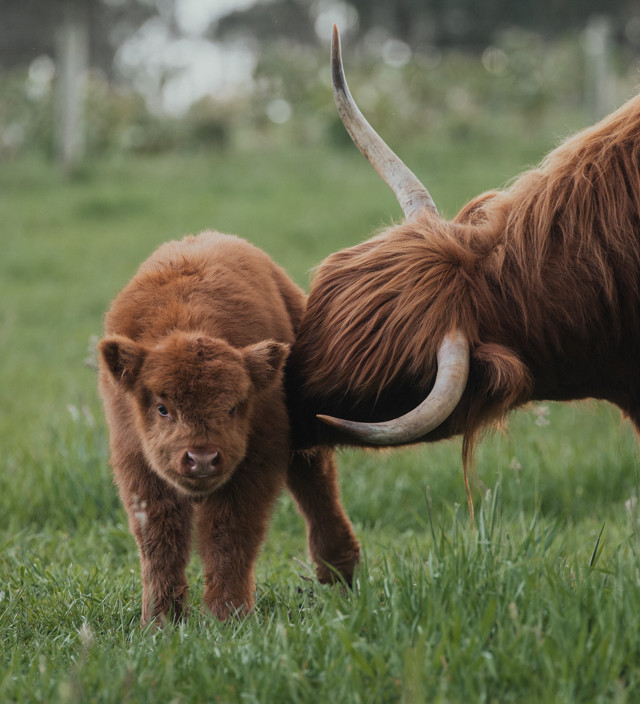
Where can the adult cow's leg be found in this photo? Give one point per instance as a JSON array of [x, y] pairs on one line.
[[313, 482], [160, 520]]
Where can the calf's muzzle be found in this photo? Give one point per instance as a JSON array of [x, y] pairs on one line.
[[201, 463]]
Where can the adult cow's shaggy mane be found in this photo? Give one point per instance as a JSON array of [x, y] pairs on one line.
[[541, 277], [581, 206]]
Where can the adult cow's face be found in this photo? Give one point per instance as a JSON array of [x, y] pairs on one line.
[[361, 315]]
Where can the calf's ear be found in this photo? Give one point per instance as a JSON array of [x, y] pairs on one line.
[[123, 358], [264, 361]]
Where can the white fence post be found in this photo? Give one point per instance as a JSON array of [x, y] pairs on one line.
[[600, 85], [72, 60]]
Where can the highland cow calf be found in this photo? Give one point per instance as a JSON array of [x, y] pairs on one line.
[[191, 378]]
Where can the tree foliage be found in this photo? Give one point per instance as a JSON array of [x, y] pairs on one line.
[[29, 27], [266, 21], [441, 23], [474, 24]]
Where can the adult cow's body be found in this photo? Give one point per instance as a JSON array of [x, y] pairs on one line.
[[542, 279]]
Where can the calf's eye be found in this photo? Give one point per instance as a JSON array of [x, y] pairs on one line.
[[162, 410], [232, 411]]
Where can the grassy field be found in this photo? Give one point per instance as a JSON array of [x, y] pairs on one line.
[[538, 603]]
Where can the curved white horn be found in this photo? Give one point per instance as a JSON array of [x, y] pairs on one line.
[[451, 380], [411, 194]]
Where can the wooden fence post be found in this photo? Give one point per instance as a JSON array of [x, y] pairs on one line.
[[600, 85], [72, 61]]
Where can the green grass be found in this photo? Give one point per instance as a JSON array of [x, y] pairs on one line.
[[538, 603]]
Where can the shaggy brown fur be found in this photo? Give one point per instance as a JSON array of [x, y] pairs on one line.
[[543, 277], [191, 378]]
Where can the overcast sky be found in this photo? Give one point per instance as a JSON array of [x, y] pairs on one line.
[[194, 15], [204, 68], [174, 73]]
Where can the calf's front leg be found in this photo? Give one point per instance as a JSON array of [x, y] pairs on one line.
[[231, 524], [160, 520]]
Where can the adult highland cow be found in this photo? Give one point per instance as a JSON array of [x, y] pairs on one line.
[[435, 328], [191, 378]]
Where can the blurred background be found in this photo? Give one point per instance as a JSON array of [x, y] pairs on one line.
[[82, 78], [126, 123]]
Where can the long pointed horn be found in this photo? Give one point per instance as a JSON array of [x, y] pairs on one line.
[[411, 194], [451, 380]]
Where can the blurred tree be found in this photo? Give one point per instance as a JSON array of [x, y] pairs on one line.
[[443, 23], [266, 21], [79, 34], [475, 24], [27, 27]]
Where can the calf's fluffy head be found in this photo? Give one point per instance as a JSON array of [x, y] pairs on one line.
[[192, 397]]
